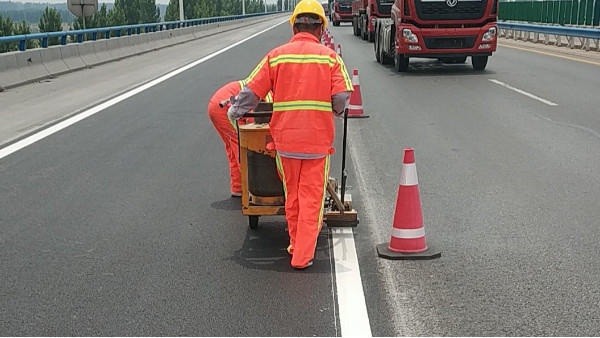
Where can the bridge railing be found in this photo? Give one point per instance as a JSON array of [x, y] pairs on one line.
[[117, 31], [544, 34]]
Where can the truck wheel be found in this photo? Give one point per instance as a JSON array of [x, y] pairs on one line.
[[336, 23], [371, 36], [377, 46], [401, 63], [253, 221], [479, 62], [385, 59], [354, 25]]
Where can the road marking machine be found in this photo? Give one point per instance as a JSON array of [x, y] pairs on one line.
[[262, 189]]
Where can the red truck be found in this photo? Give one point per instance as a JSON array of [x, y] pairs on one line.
[[449, 30], [341, 11], [364, 15]]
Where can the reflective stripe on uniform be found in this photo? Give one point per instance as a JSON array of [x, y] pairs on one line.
[[326, 178], [269, 97], [302, 58], [345, 75], [302, 105], [280, 169], [255, 71]]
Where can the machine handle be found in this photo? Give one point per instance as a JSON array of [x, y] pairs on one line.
[[222, 104]]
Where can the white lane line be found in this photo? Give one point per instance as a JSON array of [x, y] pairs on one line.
[[354, 318], [87, 113], [550, 103]]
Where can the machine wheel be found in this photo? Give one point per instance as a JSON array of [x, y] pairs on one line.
[[371, 36], [364, 33], [355, 25], [479, 62], [336, 23], [253, 221]]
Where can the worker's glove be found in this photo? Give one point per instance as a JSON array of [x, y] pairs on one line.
[[234, 112]]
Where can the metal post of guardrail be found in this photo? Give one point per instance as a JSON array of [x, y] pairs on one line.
[[63, 40], [45, 42]]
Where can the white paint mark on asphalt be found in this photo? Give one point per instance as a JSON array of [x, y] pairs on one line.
[[87, 113], [550, 103], [354, 319], [375, 206]]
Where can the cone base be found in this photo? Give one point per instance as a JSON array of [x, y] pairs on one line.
[[357, 116], [429, 253]]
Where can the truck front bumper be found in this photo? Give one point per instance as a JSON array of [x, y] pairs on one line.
[[437, 42], [342, 17]]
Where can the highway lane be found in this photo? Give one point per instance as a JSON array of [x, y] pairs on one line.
[[122, 224], [509, 187]]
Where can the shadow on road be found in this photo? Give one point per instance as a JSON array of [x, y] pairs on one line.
[[227, 204], [265, 249]]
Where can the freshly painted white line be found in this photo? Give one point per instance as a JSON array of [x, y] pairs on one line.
[[523, 92], [354, 319], [70, 121]]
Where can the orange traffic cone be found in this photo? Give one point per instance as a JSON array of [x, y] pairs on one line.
[[355, 108], [408, 234], [332, 44], [339, 50]]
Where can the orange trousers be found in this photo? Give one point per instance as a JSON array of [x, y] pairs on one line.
[[225, 128], [304, 183]]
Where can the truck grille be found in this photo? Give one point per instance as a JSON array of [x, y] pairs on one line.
[[450, 43], [345, 7], [385, 6], [440, 10]]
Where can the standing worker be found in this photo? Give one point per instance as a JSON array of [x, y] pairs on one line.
[[227, 129], [310, 84]]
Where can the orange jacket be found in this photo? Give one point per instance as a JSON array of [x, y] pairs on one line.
[[303, 75]]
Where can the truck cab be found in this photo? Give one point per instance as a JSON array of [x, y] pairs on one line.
[[364, 15], [341, 11], [449, 30]]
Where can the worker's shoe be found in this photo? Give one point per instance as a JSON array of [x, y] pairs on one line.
[[310, 263], [290, 249], [236, 194]]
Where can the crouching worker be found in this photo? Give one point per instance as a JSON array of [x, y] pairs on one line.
[[227, 129]]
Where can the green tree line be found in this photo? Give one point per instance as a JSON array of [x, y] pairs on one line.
[[195, 9], [9, 28], [129, 12]]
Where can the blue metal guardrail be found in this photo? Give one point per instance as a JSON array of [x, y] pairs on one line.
[[130, 29], [587, 33]]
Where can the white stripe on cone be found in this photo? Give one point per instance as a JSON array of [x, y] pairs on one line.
[[408, 233], [408, 176], [355, 81], [355, 107]]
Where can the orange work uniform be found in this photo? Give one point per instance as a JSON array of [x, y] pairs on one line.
[[227, 129], [303, 75]]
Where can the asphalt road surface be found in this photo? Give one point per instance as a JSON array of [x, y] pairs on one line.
[[122, 224]]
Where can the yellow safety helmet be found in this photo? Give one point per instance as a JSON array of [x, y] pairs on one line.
[[309, 7]]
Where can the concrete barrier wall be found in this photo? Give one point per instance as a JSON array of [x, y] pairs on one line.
[[18, 68]]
